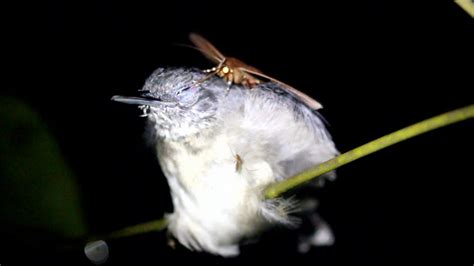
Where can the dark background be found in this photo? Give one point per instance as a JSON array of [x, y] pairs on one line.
[[376, 66]]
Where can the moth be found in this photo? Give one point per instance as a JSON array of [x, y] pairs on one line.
[[238, 163], [234, 71]]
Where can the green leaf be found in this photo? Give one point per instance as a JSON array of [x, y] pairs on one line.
[[37, 189]]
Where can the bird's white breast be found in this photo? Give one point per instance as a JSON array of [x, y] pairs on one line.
[[215, 204]]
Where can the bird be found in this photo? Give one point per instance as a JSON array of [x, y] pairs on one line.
[[219, 149]]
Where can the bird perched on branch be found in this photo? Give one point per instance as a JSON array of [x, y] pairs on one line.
[[220, 148]]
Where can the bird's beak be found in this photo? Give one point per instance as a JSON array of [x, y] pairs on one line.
[[141, 101]]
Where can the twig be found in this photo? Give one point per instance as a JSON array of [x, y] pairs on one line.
[[442, 120], [275, 190], [138, 229]]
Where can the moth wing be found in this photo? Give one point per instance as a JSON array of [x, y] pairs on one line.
[[206, 48], [310, 102]]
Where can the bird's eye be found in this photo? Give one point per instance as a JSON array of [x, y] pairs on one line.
[[179, 92], [187, 95]]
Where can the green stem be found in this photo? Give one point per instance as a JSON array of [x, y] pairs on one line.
[[138, 229], [442, 120]]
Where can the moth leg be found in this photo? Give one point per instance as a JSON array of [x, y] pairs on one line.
[[229, 84], [209, 70]]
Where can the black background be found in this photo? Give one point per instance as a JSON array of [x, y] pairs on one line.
[[376, 66]]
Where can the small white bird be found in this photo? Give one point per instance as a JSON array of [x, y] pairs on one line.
[[220, 148]]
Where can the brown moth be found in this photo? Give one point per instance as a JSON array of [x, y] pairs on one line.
[[238, 163], [235, 71]]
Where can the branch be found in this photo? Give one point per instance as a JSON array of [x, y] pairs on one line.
[[155, 225], [275, 190], [138, 229], [442, 120]]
